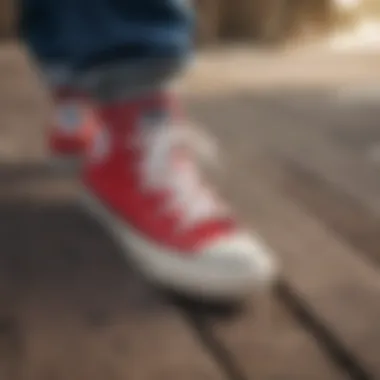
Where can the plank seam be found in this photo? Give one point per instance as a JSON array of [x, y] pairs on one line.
[[221, 355], [325, 338]]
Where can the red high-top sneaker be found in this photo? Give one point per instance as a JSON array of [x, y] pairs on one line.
[[72, 128], [142, 184]]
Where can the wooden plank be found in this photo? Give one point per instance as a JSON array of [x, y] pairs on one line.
[[337, 287], [78, 311], [314, 139], [306, 137], [266, 342], [339, 211]]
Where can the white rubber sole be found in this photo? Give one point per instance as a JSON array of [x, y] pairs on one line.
[[189, 276]]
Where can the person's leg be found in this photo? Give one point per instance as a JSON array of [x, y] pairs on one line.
[[73, 35], [113, 40], [140, 178]]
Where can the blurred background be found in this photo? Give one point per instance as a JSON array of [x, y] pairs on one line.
[[260, 21]]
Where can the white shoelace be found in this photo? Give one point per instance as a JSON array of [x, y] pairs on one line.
[[196, 202]]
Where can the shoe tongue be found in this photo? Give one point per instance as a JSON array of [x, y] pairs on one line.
[[168, 152], [171, 164]]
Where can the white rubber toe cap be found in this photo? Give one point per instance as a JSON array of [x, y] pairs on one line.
[[230, 269], [241, 255], [237, 264]]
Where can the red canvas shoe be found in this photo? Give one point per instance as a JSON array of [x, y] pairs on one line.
[[72, 128], [142, 183]]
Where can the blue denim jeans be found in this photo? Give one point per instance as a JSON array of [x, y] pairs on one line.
[[84, 33]]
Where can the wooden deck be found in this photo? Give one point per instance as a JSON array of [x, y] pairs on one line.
[[302, 170]]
